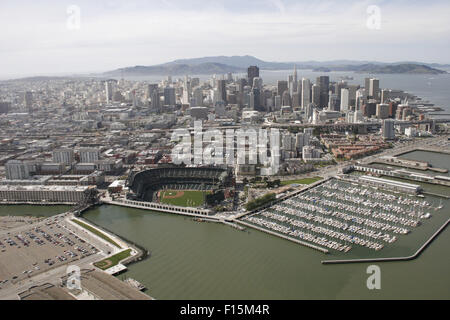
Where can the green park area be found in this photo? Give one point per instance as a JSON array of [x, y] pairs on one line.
[[113, 261]]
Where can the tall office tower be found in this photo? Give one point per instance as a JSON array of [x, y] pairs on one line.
[[295, 79], [306, 92], [186, 97], [282, 86], [251, 100], [291, 85], [333, 103], [258, 83], [195, 82], [155, 101], [345, 97], [367, 88], [89, 155], [221, 86], [338, 88], [169, 79], [16, 170], [28, 99], [150, 89], [324, 84], [252, 72], [384, 96], [359, 117], [296, 100], [257, 99], [5, 107], [299, 89], [65, 156], [350, 117], [277, 103], [382, 111], [109, 89], [229, 77], [309, 112], [369, 109], [170, 98], [315, 95], [198, 96], [352, 95], [388, 129], [359, 99], [374, 88], [286, 98]]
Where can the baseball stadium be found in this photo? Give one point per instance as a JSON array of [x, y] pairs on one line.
[[179, 186]]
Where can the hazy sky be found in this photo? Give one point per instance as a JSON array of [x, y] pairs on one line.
[[40, 37]]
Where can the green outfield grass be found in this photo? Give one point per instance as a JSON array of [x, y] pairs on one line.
[[301, 181], [188, 199]]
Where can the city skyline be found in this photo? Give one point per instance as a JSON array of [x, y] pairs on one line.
[[50, 39]]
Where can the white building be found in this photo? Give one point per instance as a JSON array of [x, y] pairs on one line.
[[388, 129], [16, 170], [39, 193], [89, 155], [345, 97], [65, 156]]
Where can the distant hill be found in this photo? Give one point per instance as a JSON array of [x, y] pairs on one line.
[[172, 69], [398, 68], [237, 64]]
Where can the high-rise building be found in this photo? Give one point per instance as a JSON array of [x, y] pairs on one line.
[[65, 156], [306, 92], [109, 89], [252, 72], [286, 98], [333, 103], [315, 95], [367, 87], [170, 98], [155, 101], [324, 83], [198, 97], [374, 88], [388, 129], [89, 155], [5, 107], [16, 170], [282, 86], [150, 89], [28, 98], [382, 111], [345, 97], [221, 86]]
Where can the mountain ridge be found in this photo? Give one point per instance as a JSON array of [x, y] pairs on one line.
[[238, 64]]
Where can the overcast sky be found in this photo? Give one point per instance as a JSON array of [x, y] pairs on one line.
[[40, 37]]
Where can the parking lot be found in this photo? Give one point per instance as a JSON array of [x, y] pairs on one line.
[[41, 247]]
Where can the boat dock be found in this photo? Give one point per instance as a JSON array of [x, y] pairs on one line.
[[306, 244], [414, 256], [135, 284]]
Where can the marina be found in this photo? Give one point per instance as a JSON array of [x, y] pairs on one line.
[[340, 214]]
